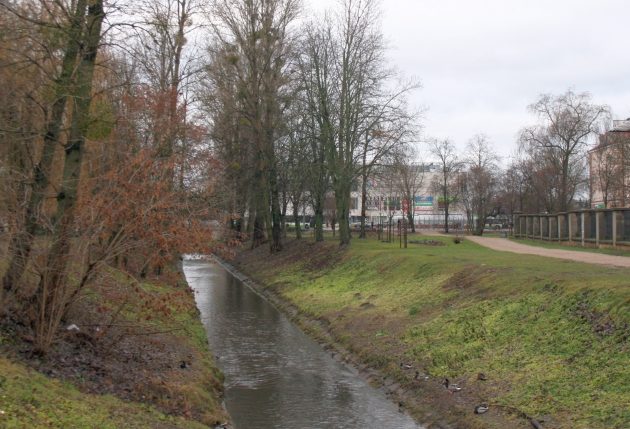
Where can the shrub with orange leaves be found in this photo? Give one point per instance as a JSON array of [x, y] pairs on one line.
[[134, 215]]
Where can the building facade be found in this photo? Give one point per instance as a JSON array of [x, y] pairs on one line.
[[386, 200], [609, 168]]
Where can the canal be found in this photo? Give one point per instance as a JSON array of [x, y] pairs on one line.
[[276, 376]]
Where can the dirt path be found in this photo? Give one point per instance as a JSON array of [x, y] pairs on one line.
[[505, 245]]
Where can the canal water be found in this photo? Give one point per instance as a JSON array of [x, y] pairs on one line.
[[276, 376]]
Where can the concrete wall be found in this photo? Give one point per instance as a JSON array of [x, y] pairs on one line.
[[609, 227]]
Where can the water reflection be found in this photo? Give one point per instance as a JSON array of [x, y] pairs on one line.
[[277, 377]]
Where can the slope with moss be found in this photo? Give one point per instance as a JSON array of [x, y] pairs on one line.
[[29, 399], [140, 359]]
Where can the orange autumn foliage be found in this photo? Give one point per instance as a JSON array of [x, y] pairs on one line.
[[134, 212]]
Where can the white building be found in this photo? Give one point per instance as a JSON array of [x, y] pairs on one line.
[[384, 199]]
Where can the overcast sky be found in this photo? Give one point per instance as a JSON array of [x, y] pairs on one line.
[[481, 62]]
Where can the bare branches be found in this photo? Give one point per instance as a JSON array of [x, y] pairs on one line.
[[450, 164], [559, 141]]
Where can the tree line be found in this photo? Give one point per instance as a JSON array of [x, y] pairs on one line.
[[301, 109], [127, 129], [548, 173], [104, 156]]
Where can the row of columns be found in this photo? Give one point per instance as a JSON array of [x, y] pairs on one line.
[[603, 226]]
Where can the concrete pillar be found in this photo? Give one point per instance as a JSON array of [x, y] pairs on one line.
[[553, 227], [535, 227], [583, 220], [621, 225], [572, 226], [541, 222], [561, 226], [614, 228], [528, 226], [599, 217]]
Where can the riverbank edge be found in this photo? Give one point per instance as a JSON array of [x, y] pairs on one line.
[[109, 409], [423, 412]]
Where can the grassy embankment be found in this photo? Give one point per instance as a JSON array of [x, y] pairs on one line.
[[552, 336], [29, 399], [136, 362]]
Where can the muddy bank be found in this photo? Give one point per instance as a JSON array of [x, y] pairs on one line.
[[422, 396], [140, 342]]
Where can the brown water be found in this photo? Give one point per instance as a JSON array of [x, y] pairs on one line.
[[276, 376]]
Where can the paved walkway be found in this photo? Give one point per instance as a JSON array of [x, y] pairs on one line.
[[505, 245]]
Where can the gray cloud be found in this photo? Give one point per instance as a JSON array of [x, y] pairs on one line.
[[482, 62]]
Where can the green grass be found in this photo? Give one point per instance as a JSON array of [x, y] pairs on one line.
[[31, 400], [552, 335]]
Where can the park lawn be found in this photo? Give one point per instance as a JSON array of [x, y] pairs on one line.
[[551, 335]]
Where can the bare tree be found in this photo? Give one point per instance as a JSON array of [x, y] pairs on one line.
[[449, 167], [257, 32], [410, 174], [392, 132], [317, 80], [513, 188], [349, 98], [71, 28], [231, 139], [480, 181], [50, 295], [297, 167], [168, 63], [559, 141], [67, 62]]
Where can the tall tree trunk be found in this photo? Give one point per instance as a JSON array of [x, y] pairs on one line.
[[22, 242], [296, 218], [446, 218], [51, 297], [272, 178], [342, 201], [276, 221], [446, 206], [319, 218], [258, 230], [410, 218], [481, 222], [262, 200], [363, 200], [564, 185], [364, 176]]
